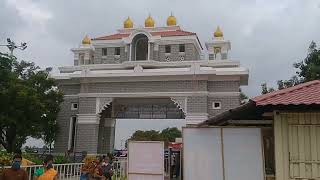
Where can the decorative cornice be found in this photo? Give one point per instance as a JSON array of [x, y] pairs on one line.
[[181, 103], [174, 95], [102, 103]]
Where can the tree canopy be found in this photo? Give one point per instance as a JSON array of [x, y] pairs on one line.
[[29, 102], [166, 135], [308, 69]]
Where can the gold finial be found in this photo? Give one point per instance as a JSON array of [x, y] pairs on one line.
[[149, 22], [171, 20], [128, 23], [218, 32], [86, 40]]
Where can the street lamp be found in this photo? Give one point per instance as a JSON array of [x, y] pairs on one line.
[[11, 45]]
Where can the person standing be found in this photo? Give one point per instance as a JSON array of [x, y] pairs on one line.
[[47, 172], [15, 172], [107, 168], [98, 174]]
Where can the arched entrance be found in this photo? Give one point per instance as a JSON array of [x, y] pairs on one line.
[[140, 48], [151, 112], [106, 130]]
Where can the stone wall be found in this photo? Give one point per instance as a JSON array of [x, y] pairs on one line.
[[223, 86], [87, 105], [87, 138], [87, 134], [191, 53], [227, 103], [110, 58], [70, 89], [197, 104], [150, 86], [64, 117]]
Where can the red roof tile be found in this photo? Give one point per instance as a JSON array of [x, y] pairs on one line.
[[112, 37], [172, 33], [302, 94], [159, 33]]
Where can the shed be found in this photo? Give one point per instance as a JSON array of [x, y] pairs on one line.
[[290, 119]]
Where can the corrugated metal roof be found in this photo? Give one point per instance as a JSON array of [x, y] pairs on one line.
[[302, 94]]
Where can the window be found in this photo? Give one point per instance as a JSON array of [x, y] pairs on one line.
[[104, 51], [181, 48], [168, 49], [216, 105], [81, 58], [72, 133], [74, 106], [117, 51]]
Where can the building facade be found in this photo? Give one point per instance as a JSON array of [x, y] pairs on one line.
[[143, 73]]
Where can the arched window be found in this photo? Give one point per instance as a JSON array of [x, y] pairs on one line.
[[140, 48]]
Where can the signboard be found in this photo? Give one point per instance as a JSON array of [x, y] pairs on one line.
[[145, 160], [223, 154], [175, 146]]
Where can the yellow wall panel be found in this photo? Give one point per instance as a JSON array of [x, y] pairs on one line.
[[297, 145]]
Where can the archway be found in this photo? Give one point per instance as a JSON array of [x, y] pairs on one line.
[[140, 48], [106, 130], [153, 113]]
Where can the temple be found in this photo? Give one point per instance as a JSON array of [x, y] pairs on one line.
[[145, 72]]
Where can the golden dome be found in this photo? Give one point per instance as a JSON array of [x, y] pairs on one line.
[[171, 20], [86, 40], [218, 32], [149, 22], [128, 23]]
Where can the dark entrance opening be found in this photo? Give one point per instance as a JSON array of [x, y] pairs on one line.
[[140, 47]]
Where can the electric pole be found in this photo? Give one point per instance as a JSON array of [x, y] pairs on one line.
[[11, 45]]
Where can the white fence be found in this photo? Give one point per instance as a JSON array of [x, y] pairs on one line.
[[72, 171]]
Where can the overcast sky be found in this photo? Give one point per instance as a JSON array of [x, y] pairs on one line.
[[267, 36]]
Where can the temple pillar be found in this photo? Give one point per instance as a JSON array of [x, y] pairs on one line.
[[87, 133]]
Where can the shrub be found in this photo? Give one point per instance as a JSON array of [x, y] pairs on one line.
[[59, 159]]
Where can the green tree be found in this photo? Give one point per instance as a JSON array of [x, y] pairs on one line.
[[29, 102], [307, 70], [166, 135], [282, 84], [150, 135], [265, 89], [170, 134]]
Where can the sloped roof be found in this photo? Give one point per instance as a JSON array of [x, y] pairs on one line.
[[159, 33], [173, 33], [301, 97], [112, 37], [302, 94]]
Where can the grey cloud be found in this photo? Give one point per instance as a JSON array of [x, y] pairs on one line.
[[266, 36], [10, 22]]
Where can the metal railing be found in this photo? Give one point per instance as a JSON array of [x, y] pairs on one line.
[[120, 169], [65, 171], [72, 171]]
